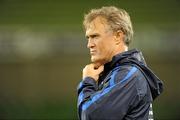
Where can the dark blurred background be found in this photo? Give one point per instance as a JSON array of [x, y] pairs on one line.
[[43, 51]]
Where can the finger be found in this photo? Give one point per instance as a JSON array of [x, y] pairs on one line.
[[100, 69], [97, 65]]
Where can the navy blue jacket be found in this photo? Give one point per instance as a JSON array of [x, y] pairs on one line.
[[125, 90]]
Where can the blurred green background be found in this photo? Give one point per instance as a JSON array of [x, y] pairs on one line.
[[43, 51]]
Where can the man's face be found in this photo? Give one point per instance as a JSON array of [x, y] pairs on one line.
[[100, 41]]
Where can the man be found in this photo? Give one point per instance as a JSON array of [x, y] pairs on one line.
[[117, 85]]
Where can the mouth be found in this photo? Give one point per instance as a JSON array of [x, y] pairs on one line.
[[92, 52]]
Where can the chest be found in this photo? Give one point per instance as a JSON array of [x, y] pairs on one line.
[[105, 80]]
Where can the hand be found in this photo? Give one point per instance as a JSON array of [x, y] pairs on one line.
[[93, 71]]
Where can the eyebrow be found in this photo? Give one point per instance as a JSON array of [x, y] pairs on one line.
[[92, 35]]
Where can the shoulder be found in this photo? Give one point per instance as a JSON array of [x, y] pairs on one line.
[[125, 72], [129, 75]]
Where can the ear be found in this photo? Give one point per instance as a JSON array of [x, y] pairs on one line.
[[119, 36]]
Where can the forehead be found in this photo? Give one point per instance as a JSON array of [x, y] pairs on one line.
[[99, 24]]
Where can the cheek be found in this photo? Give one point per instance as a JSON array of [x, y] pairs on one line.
[[104, 49], [105, 46], [109, 50]]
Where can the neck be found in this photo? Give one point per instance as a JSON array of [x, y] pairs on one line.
[[121, 49]]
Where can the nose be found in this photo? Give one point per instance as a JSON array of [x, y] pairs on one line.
[[90, 43]]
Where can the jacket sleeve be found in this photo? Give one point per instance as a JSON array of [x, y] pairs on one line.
[[86, 89], [114, 100]]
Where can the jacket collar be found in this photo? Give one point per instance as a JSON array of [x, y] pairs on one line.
[[117, 59]]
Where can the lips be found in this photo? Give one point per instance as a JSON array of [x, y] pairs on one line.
[[92, 52]]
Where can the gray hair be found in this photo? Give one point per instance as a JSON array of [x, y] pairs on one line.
[[117, 19]]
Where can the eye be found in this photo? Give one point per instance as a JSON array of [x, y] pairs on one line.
[[87, 37], [95, 36]]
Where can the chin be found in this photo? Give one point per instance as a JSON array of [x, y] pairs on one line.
[[96, 59]]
